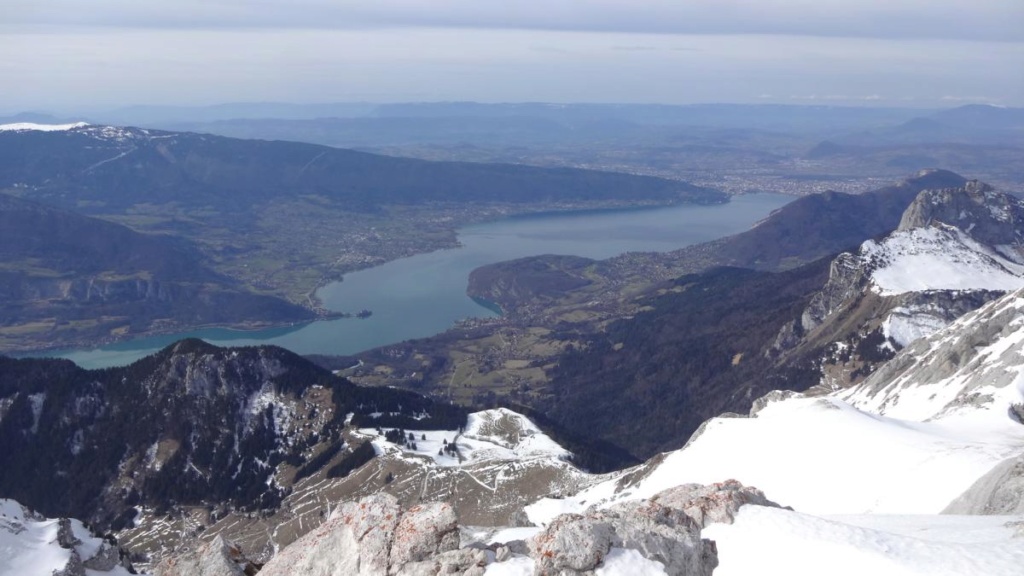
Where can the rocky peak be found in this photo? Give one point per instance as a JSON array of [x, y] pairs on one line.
[[957, 247], [991, 217]]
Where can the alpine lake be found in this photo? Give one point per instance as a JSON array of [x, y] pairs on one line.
[[425, 294]]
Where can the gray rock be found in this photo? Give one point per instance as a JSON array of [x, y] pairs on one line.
[[218, 557], [664, 534], [1017, 526], [105, 559], [707, 504], [992, 217], [74, 566], [577, 544], [355, 540], [502, 553], [465, 562], [424, 531], [66, 535], [998, 492], [571, 544]]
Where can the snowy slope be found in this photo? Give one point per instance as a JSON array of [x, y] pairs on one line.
[[908, 440], [938, 257], [867, 470], [968, 374], [773, 541], [29, 544], [821, 456]]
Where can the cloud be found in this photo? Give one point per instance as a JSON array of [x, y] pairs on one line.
[[171, 66], [989, 20]]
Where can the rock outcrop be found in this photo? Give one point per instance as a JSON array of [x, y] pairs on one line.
[[577, 544], [712, 503], [1000, 492], [989, 216], [375, 537], [956, 248], [370, 537], [217, 558]]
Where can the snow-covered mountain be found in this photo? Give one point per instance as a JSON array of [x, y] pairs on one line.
[[895, 475], [33, 545], [36, 127], [954, 250], [500, 461]]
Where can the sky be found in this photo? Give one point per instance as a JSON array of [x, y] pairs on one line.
[[68, 55]]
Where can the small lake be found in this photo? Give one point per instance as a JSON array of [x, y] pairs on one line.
[[425, 294]]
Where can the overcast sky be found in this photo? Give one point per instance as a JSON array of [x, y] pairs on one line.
[[76, 54]]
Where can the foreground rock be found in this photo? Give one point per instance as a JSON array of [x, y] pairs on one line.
[[370, 537], [219, 557], [374, 536], [708, 504], [577, 544]]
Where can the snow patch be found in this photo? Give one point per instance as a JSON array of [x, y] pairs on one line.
[[629, 562], [905, 325], [31, 126], [36, 401], [937, 258]]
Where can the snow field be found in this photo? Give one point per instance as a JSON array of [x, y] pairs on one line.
[[773, 541], [938, 258]]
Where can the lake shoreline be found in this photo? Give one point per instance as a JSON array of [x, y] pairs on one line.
[[424, 295]]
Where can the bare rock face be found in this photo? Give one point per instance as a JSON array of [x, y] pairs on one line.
[[989, 216], [572, 544], [424, 531], [1000, 492], [355, 540], [106, 559], [375, 537], [578, 544], [463, 562], [712, 503], [218, 557]]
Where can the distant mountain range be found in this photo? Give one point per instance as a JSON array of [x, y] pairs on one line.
[[240, 232], [103, 168]]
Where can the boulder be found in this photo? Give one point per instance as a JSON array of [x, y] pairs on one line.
[[572, 543], [424, 531], [711, 503], [578, 544]]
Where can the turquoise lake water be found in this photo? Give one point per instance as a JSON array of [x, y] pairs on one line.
[[425, 294]]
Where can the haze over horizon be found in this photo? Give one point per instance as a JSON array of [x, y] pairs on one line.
[[73, 57]]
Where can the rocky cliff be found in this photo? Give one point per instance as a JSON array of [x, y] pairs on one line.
[[955, 249]]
